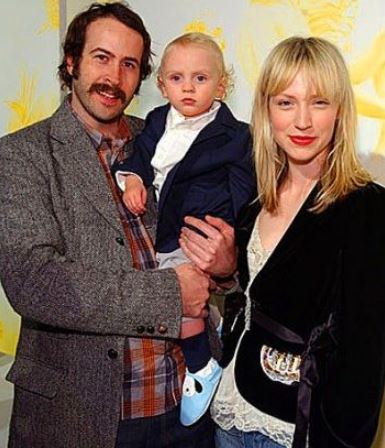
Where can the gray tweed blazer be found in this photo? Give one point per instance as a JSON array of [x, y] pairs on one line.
[[66, 270]]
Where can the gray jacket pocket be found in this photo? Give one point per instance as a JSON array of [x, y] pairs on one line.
[[35, 376]]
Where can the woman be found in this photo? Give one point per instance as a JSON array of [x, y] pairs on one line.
[[305, 361]]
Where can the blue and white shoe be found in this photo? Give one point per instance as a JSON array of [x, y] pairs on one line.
[[198, 390]]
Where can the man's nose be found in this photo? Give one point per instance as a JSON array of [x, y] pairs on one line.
[[114, 74]]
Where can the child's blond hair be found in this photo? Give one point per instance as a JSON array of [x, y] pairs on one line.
[[207, 42]]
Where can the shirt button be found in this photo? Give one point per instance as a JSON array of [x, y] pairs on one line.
[[119, 240], [140, 329], [113, 354], [162, 328], [150, 329]]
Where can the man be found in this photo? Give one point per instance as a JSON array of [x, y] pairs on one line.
[[96, 364]]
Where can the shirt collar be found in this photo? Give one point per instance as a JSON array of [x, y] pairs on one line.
[[123, 134], [175, 119]]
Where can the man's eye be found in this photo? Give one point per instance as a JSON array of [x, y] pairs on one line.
[[129, 65], [101, 57]]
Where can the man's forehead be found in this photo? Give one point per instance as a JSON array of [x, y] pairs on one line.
[[110, 33]]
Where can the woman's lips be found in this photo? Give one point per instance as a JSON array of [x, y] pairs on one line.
[[302, 140]]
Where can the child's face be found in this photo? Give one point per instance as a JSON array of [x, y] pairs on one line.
[[190, 79]]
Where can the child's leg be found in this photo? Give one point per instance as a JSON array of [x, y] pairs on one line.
[[203, 372], [195, 344], [194, 341]]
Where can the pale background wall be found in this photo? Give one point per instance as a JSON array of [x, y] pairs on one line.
[[246, 31]]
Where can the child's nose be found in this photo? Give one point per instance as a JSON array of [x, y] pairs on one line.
[[188, 86]]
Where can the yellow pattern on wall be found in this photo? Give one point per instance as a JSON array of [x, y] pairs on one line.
[[332, 20], [9, 327], [370, 69], [199, 26], [27, 109], [51, 8]]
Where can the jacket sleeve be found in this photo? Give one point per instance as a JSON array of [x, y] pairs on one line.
[[62, 267], [242, 174], [140, 161], [352, 398]]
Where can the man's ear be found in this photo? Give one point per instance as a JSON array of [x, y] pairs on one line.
[[70, 64], [161, 86]]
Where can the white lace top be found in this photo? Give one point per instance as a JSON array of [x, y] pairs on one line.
[[229, 408]]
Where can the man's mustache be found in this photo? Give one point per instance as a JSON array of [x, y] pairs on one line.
[[112, 90]]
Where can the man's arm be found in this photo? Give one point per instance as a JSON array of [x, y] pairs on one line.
[[61, 266], [215, 254]]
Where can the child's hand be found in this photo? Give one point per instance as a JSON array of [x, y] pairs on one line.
[[135, 195]]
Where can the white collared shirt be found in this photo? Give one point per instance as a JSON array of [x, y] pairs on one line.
[[178, 136]]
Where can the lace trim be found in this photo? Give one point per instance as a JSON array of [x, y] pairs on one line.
[[256, 259], [229, 409]]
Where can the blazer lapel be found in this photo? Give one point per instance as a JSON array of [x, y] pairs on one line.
[[223, 122], [78, 158], [296, 231]]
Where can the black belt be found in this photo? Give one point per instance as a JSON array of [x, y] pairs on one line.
[[321, 337]]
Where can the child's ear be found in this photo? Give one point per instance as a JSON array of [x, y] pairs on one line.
[[161, 86], [221, 89]]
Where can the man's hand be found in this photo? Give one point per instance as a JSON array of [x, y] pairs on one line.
[[194, 285], [135, 195], [215, 254]]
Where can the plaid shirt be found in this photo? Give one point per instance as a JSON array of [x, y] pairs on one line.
[[153, 368]]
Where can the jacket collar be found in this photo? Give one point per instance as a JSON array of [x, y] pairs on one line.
[[75, 153], [224, 122], [294, 233]]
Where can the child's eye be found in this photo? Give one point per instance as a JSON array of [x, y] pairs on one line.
[[175, 78], [201, 78]]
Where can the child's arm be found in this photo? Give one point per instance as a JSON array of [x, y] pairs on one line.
[[242, 182], [135, 195]]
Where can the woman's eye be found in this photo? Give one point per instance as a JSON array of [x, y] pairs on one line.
[[322, 102], [284, 103]]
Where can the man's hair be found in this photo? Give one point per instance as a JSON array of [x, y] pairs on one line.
[[324, 67], [207, 42], [76, 37]]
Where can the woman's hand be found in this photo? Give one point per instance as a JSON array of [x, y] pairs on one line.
[[215, 254]]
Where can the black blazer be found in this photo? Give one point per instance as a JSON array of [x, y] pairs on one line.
[[332, 261], [215, 177]]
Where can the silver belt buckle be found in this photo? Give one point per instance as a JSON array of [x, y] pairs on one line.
[[280, 366]]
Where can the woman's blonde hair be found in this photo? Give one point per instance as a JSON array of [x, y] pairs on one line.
[[207, 42], [325, 68]]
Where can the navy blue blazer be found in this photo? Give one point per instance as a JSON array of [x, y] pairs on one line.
[[215, 177]]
